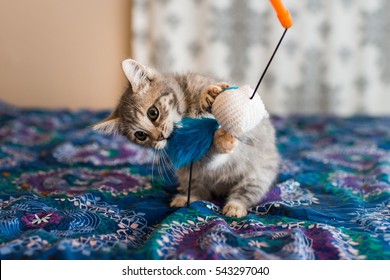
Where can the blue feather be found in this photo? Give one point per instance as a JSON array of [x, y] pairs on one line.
[[191, 141]]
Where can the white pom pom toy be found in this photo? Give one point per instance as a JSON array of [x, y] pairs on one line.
[[236, 112]]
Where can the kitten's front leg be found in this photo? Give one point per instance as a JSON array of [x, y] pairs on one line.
[[180, 200], [208, 95], [224, 141], [244, 195], [235, 209]]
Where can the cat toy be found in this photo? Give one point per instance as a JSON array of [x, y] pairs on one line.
[[236, 110]]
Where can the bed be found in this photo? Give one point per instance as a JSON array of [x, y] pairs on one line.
[[67, 192]]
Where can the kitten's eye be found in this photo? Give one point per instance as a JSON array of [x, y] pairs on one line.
[[141, 135], [153, 113]]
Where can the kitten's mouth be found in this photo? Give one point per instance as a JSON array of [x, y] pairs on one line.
[[161, 144], [167, 135], [162, 138]]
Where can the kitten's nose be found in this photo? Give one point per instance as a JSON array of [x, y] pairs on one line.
[[161, 137]]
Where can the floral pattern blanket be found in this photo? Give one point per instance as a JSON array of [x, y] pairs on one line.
[[67, 192]]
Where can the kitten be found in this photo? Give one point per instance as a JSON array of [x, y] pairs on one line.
[[147, 113]]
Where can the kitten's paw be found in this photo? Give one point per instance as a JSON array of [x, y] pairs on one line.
[[180, 200], [235, 209], [209, 94], [224, 141]]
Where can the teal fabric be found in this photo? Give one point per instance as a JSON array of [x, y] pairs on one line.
[[67, 192]]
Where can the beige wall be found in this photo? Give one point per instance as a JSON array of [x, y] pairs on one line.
[[63, 53]]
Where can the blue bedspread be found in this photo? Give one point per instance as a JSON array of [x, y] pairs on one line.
[[67, 192]]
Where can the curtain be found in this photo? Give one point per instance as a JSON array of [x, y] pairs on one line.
[[334, 59]]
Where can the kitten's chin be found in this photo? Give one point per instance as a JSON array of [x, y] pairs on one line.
[[160, 144]]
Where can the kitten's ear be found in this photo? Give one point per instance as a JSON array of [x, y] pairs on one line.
[[108, 126], [137, 74]]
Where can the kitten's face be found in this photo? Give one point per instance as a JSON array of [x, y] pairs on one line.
[[148, 110], [149, 119]]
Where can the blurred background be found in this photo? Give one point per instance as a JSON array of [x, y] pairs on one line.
[[63, 53], [334, 60]]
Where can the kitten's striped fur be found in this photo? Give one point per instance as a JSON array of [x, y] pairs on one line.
[[240, 172]]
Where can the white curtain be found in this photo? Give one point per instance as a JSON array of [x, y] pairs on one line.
[[334, 60]]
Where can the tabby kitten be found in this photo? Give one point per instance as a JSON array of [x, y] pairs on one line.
[[147, 113]]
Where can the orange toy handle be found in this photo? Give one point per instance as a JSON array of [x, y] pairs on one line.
[[283, 14]]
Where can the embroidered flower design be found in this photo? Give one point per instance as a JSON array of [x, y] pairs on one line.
[[41, 219]]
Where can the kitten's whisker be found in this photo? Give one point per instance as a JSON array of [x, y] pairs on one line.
[[170, 167], [159, 164], [169, 164], [153, 162], [164, 161]]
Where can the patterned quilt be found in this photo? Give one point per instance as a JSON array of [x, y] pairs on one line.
[[67, 192]]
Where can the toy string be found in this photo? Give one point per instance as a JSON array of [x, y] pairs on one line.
[[189, 186], [269, 62]]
